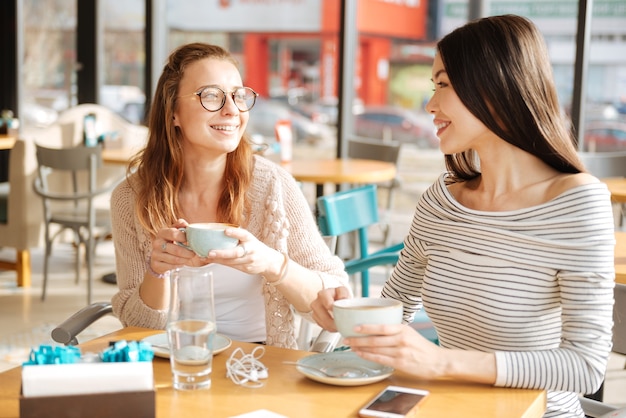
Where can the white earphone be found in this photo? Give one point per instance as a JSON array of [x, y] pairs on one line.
[[246, 369]]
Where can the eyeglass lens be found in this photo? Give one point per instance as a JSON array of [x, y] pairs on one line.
[[214, 98]]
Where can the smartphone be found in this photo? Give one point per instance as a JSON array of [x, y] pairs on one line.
[[394, 402]]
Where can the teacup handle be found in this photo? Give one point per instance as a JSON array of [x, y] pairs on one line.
[[180, 244]]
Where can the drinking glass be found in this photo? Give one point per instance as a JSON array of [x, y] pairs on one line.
[[191, 327]]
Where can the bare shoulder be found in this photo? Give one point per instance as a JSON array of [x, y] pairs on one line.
[[566, 181]]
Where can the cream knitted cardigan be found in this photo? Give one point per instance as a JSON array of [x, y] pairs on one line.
[[278, 215]]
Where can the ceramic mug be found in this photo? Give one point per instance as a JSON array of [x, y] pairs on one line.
[[349, 313], [204, 237]]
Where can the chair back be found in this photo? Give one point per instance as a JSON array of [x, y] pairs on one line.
[[605, 164], [347, 211], [70, 159], [131, 135], [355, 210], [76, 166], [369, 149], [387, 151]]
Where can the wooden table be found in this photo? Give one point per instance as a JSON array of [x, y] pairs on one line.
[[289, 393], [318, 171], [6, 141], [340, 170], [620, 257], [117, 156], [617, 187]]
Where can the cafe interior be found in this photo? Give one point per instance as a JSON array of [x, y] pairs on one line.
[[307, 52]]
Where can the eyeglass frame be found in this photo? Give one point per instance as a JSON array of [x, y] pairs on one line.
[[230, 93]]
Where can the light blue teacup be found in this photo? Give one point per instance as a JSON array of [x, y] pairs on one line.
[[204, 237], [348, 313]]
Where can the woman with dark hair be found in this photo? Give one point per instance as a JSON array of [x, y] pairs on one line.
[[198, 166], [510, 252]]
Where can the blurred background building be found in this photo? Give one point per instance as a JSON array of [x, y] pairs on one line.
[[111, 52]]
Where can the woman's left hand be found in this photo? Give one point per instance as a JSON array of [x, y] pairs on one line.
[[250, 256], [401, 347]]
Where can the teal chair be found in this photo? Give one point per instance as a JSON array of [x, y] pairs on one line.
[[356, 210], [353, 210]]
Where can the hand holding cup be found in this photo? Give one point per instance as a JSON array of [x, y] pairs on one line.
[[204, 237]]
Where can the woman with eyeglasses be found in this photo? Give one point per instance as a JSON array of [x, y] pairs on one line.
[[510, 252], [198, 166]]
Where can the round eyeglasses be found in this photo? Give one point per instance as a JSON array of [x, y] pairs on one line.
[[213, 98]]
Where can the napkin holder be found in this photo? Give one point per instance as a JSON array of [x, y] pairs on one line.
[[101, 378], [118, 405]]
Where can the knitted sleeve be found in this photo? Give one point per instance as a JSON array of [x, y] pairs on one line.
[[132, 247], [282, 218]]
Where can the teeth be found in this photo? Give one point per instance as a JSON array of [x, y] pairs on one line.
[[442, 125], [224, 127]]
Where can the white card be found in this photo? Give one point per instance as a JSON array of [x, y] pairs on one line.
[[261, 413]]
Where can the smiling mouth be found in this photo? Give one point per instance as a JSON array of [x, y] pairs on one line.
[[228, 128]]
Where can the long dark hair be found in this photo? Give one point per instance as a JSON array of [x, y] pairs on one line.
[[500, 69]]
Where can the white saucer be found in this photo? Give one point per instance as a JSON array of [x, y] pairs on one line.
[[160, 345], [342, 360]]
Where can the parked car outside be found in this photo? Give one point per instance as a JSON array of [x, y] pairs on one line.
[[605, 136], [126, 101], [266, 113], [326, 110], [133, 112], [321, 111], [398, 124]]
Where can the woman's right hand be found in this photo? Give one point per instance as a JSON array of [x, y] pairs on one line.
[[167, 254], [322, 307]]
